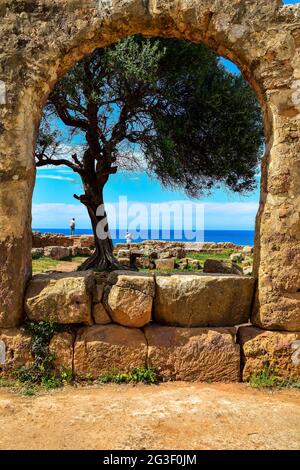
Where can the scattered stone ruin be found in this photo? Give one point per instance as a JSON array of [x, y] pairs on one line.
[[40, 41]]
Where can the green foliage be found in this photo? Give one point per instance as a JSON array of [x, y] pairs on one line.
[[268, 379], [171, 101], [29, 391], [145, 375], [136, 60], [42, 371]]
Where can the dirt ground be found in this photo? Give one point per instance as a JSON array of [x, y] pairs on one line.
[[167, 416]]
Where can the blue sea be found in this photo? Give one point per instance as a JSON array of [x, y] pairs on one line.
[[239, 237]]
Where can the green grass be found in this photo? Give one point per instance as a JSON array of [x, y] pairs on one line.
[[203, 256], [268, 379], [145, 375], [44, 263]]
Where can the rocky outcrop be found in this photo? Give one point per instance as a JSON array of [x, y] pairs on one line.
[[60, 297], [275, 351], [104, 349], [130, 298], [199, 354], [202, 300]]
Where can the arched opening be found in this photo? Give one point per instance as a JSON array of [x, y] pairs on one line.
[[210, 115]]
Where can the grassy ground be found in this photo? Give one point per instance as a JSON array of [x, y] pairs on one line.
[[44, 263], [203, 256]]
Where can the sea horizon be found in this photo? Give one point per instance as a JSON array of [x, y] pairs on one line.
[[238, 237]]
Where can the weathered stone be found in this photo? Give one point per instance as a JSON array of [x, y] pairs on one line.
[[81, 251], [61, 346], [57, 252], [276, 351], [198, 354], [203, 300], [152, 254], [56, 239], [17, 348], [193, 263], [247, 261], [130, 300], [237, 257], [143, 262], [60, 297], [167, 264], [124, 254], [183, 264], [248, 271], [37, 253], [165, 255], [100, 315], [247, 250], [125, 261], [111, 348], [178, 253], [142, 282], [222, 267]]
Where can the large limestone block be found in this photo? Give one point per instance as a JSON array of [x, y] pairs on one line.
[[130, 299], [17, 349], [277, 350], [198, 354], [222, 267], [60, 297], [57, 252], [165, 264], [203, 300], [61, 345], [111, 348]]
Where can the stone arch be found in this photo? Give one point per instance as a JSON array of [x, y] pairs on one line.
[[42, 40]]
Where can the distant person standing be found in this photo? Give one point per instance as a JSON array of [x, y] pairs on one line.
[[128, 238], [72, 226]]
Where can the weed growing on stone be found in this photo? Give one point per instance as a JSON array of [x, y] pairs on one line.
[[267, 379], [145, 375], [42, 371]]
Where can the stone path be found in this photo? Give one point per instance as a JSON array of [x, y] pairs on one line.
[[169, 416]]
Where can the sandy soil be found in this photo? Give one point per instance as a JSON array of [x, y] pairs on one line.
[[168, 416]]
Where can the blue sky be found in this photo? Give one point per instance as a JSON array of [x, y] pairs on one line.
[[54, 205]]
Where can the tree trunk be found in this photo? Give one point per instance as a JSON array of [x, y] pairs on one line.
[[103, 258]]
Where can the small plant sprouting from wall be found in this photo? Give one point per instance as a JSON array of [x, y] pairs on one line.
[[42, 370], [268, 379]]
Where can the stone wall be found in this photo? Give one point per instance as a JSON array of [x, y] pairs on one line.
[[42, 39], [184, 326], [40, 240], [55, 239]]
